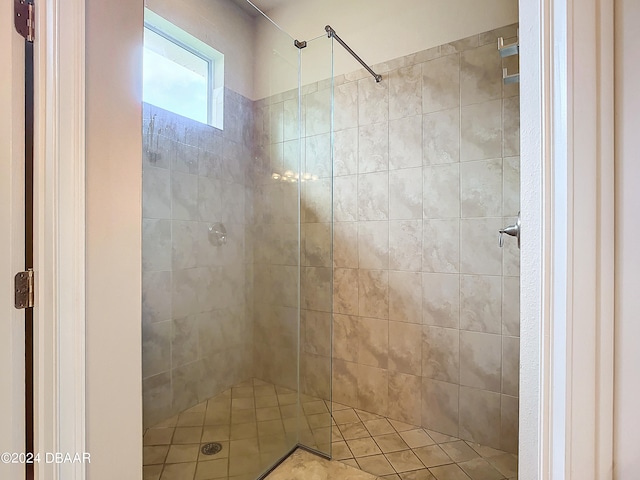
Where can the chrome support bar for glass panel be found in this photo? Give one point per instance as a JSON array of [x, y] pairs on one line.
[[332, 33]]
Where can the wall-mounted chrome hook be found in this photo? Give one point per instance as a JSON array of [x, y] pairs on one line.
[[512, 230], [218, 234]]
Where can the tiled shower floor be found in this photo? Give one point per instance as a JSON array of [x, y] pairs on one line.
[[255, 423]]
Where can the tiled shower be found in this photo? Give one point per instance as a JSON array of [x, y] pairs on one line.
[[425, 302], [196, 314], [361, 266]]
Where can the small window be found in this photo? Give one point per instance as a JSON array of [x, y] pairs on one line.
[[181, 73]]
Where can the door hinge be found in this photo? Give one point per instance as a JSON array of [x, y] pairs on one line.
[[24, 12], [24, 285]]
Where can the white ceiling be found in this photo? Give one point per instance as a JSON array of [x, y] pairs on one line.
[[264, 5]]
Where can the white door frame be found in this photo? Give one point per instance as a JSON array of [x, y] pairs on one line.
[[566, 394], [59, 230], [11, 239], [567, 255]]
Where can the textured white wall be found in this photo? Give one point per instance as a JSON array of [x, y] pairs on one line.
[[113, 224], [378, 31], [627, 356], [222, 25]]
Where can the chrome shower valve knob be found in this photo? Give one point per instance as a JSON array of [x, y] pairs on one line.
[[511, 230]]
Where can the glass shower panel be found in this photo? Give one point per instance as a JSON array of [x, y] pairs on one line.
[[275, 232], [221, 256], [316, 182]]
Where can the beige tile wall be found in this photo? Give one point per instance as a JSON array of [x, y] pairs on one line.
[[426, 305], [274, 240], [196, 321], [425, 172]]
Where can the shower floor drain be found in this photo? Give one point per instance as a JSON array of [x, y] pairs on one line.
[[211, 448]]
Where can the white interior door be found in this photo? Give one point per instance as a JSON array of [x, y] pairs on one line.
[[11, 242]]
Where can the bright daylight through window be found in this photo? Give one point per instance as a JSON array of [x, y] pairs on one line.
[[181, 73]]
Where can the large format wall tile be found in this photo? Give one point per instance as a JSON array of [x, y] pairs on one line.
[[316, 202], [346, 106], [345, 290], [405, 142], [413, 233], [209, 199], [373, 245], [184, 244], [317, 333], [405, 347], [345, 338], [480, 360], [441, 83], [373, 102], [511, 253], [481, 188], [345, 245], [510, 363], [481, 131], [480, 235], [441, 246], [511, 178], [373, 148], [405, 92], [511, 126], [441, 137], [511, 306], [184, 194], [509, 424], [481, 303], [345, 383], [405, 194], [405, 245], [441, 191], [156, 244], [405, 296], [318, 155], [440, 354], [480, 74], [156, 296], [373, 196], [157, 398], [318, 112], [194, 302], [441, 299], [345, 198], [316, 288], [373, 341], [156, 341], [373, 293], [345, 152], [373, 389], [184, 340], [480, 416], [442, 185], [318, 244], [404, 397], [440, 406], [156, 193], [186, 380], [186, 159]]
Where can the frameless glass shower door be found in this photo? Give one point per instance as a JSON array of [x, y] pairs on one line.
[[316, 207], [237, 298]]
